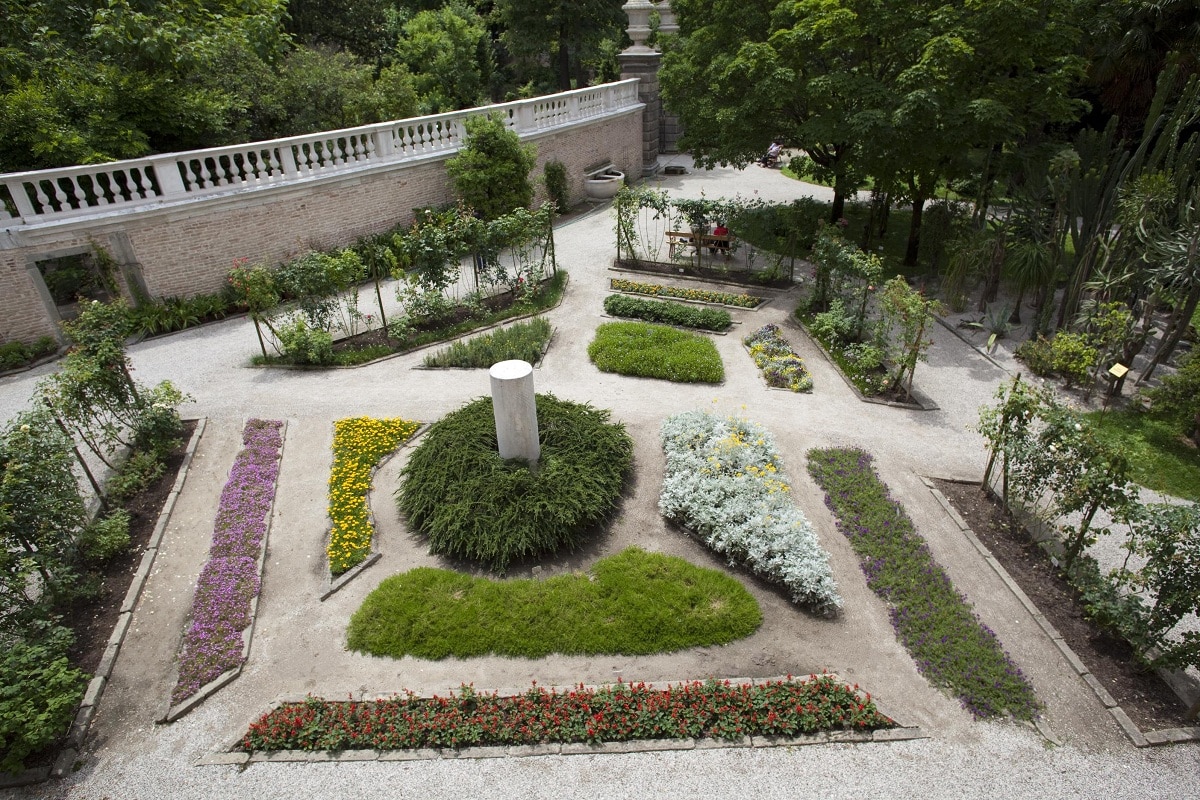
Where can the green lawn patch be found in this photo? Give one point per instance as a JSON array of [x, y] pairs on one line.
[[633, 603], [934, 622], [472, 504], [524, 341], [625, 712], [655, 351], [1159, 458]]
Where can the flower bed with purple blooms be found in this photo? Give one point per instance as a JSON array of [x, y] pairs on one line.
[[625, 712], [934, 622], [779, 364], [229, 581]]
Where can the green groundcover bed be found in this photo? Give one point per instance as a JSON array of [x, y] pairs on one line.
[[643, 350], [632, 603]]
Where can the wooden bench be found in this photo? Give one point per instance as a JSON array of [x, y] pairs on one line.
[[684, 241]]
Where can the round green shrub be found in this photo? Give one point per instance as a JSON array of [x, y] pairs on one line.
[[474, 505]]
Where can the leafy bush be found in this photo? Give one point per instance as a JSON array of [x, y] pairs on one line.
[[1038, 355], [359, 444], [773, 355], [698, 295], [655, 351], [18, 354], [1177, 398], [106, 537], [302, 344], [631, 603], [472, 504], [723, 484], [491, 171], [557, 185], [139, 470], [1067, 354], [709, 319], [934, 622], [625, 712], [833, 325], [39, 692], [524, 341]]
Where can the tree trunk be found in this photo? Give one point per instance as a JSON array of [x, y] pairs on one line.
[[564, 66], [839, 204], [1171, 339], [914, 230], [991, 286]]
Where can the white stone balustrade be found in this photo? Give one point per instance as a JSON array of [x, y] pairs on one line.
[[27, 198]]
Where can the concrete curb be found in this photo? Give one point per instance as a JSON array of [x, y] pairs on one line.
[[1135, 735], [174, 712], [226, 755], [336, 584]]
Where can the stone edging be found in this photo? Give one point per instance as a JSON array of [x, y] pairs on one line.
[[923, 402], [954, 329], [174, 712], [336, 584], [73, 744], [1135, 734], [226, 754], [662, 297]]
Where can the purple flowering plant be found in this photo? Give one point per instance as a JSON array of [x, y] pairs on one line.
[[229, 580], [951, 646]]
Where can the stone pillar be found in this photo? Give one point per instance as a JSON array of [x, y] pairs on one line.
[[669, 128], [642, 62], [515, 410]]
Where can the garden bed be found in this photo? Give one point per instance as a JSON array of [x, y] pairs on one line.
[[1148, 701], [93, 622], [735, 275]]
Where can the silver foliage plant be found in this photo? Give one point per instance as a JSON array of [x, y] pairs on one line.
[[724, 484]]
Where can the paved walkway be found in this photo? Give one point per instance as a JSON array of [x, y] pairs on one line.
[[298, 643]]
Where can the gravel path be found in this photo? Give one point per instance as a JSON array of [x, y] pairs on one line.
[[298, 641]]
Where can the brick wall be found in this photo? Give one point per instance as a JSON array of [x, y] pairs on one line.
[[189, 248]]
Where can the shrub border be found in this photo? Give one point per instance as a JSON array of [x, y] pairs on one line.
[[1046, 541], [230, 753], [72, 744], [922, 401]]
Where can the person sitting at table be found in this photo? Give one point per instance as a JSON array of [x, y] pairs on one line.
[[723, 246], [772, 156]]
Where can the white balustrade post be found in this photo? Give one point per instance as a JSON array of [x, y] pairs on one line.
[[515, 410], [166, 172]]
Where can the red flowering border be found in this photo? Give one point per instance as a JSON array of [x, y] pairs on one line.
[[625, 712]]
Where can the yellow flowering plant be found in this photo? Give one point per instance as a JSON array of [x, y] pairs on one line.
[[359, 443]]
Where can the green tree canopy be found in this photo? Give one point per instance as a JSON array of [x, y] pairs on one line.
[[566, 32], [902, 91], [449, 54]]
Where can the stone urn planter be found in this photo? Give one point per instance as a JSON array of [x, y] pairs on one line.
[[603, 184]]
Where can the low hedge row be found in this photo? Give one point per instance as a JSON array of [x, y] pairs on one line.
[[708, 319]]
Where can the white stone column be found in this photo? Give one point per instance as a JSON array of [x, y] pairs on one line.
[[515, 410]]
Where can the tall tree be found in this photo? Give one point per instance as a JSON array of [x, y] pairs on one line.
[[567, 31], [449, 55], [899, 90]]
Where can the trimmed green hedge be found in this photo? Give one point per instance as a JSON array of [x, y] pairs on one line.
[[708, 319], [643, 350], [472, 504]]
